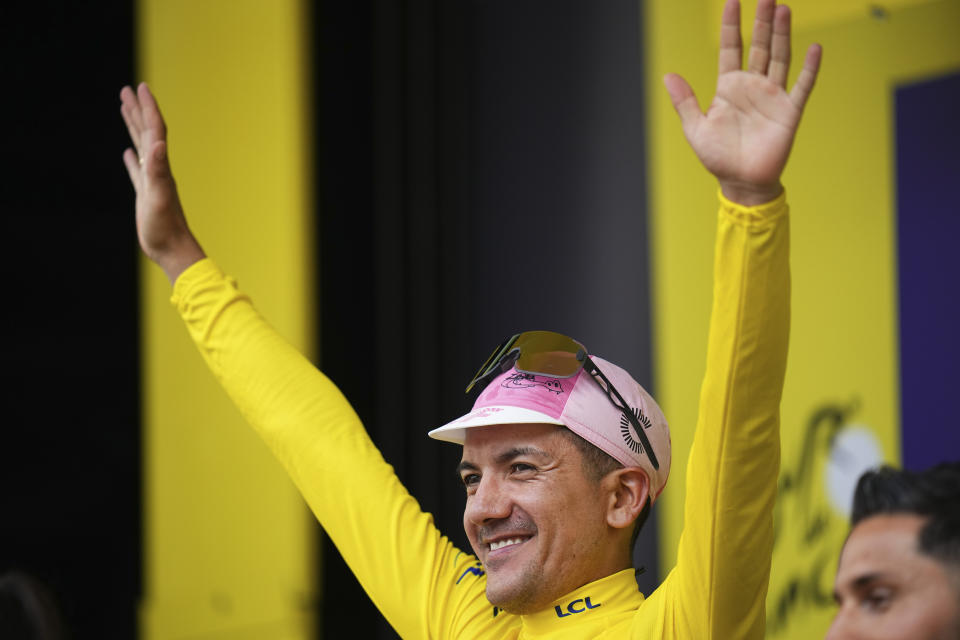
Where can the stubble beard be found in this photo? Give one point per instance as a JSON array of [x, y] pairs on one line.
[[518, 593]]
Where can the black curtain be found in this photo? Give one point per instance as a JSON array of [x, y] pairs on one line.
[[70, 448], [480, 172]]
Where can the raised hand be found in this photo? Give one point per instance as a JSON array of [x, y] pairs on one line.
[[161, 226], [744, 139]]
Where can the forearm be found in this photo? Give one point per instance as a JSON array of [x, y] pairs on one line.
[[297, 410], [734, 461]]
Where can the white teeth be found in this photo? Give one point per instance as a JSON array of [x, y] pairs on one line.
[[504, 543]]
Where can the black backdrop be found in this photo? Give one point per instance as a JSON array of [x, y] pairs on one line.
[[480, 172], [70, 443]]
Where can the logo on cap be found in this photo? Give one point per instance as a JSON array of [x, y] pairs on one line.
[[626, 431], [528, 380]]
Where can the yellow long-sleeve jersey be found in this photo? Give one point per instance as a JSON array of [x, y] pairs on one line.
[[423, 584]]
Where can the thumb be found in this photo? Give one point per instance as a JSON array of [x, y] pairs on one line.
[[683, 99]]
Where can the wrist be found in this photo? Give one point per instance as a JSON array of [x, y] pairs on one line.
[[750, 195], [175, 261]]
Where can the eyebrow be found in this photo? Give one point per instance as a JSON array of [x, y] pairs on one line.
[[866, 579], [465, 466], [504, 457], [860, 583]]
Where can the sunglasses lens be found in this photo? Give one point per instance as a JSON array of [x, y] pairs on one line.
[[550, 354], [538, 352], [492, 362]]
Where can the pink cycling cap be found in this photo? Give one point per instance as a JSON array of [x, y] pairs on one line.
[[581, 405]]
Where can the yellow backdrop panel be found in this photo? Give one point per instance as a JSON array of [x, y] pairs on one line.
[[813, 14], [841, 403], [228, 541]]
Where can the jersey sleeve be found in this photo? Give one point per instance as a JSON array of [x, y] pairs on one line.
[[718, 587], [423, 585]]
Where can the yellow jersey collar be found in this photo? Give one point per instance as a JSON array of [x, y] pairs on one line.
[[615, 594]]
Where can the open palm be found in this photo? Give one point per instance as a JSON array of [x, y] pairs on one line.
[[744, 138]]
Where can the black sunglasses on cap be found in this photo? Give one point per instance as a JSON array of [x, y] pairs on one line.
[[554, 355]]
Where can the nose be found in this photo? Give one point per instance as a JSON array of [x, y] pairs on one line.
[[840, 628], [489, 502]]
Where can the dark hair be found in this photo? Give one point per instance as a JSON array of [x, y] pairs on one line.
[[597, 463], [933, 494], [28, 609]]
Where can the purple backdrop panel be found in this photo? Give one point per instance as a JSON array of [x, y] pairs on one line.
[[928, 225]]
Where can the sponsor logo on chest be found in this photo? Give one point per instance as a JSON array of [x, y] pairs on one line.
[[576, 606]]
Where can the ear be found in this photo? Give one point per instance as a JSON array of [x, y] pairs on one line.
[[627, 491]]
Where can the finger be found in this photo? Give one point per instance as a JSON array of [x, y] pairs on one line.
[[780, 47], [759, 56], [683, 99], [128, 103], [731, 48], [155, 164], [135, 114], [131, 127], [152, 119], [132, 162], [808, 75]]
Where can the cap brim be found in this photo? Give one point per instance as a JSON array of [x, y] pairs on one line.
[[486, 417]]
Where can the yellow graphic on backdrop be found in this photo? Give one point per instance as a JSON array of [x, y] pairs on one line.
[[811, 518]]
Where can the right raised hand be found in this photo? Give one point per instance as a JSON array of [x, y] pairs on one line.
[[745, 137], [161, 226]]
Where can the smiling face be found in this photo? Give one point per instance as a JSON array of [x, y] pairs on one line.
[[887, 589], [534, 519]]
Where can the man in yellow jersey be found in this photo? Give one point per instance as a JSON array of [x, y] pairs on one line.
[[563, 452]]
